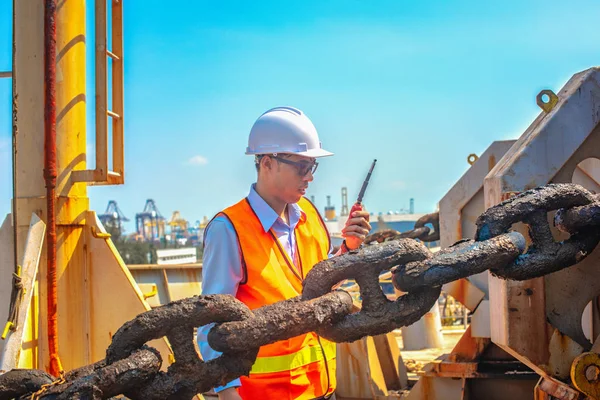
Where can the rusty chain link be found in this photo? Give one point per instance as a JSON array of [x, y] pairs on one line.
[[420, 231], [132, 368]]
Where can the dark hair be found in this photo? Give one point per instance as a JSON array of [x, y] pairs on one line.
[[257, 159]]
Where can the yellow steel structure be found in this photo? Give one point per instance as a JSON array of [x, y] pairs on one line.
[[177, 223], [96, 292], [162, 284]]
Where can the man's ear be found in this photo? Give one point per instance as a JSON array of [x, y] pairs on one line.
[[266, 162]]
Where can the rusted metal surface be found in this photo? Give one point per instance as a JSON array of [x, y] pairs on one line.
[[378, 314], [240, 332], [188, 375], [576, 286], [499, 218], [190, 312], [557, 389], [381, 236], [22, 381], [50, 174], [420, 231], [574, 219], [417, 233], [281, 321], [531, 207], [381, 315], [364, 264], [463, 259], [433, 219], [468, 348], [109, 380]]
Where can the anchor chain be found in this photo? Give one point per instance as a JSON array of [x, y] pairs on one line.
[[132, 368], [420, 231]]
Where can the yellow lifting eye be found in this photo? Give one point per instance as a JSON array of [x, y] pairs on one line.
[[472, 158]]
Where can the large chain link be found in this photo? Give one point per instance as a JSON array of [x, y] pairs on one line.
[[132, 369], [420, 231]]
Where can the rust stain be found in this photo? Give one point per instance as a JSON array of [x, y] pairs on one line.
[[426, 387], [508, 195], [491, 162], [191, 275]]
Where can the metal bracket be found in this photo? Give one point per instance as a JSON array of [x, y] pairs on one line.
[[547, 106], [99, 235], [472, 158], [151, 293], [556, 389], [585, 374]]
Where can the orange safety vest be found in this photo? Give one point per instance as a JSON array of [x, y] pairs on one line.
[[302, 367]]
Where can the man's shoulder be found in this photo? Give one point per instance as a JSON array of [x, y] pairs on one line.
[[219, 224]]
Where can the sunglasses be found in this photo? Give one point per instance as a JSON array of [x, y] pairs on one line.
[[303, 168]]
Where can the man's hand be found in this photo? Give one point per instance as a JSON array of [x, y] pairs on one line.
[[229, 394], [356, 230]]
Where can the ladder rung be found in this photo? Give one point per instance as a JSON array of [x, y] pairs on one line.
[[5, 74], [113, 114], [112, 55]]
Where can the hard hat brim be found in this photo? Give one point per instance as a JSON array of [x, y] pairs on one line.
[[312, 153], [315, 153]]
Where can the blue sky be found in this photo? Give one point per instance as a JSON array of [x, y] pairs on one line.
[[418, 85]]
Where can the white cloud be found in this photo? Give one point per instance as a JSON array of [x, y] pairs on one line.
[[198, 160], [398, 184]]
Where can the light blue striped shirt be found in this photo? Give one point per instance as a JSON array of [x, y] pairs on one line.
[[221, 262]]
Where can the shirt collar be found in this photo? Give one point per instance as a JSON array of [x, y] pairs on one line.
[[267, 216]]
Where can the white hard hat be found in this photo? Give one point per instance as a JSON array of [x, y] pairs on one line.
[[285, 130]]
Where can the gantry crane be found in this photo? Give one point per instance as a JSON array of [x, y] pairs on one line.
[[150, 224], [113, 218], [178, 226]]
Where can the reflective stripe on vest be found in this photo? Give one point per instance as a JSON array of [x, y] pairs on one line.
[[307, 355]]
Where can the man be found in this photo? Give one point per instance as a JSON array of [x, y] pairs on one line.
[[261, 248]]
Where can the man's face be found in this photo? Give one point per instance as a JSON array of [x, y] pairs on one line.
[[291, 175]]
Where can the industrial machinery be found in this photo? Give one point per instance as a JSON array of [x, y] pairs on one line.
[[150, 224], [329, 210], [65, 290], [178, 225], [113, 218], [542, 323]]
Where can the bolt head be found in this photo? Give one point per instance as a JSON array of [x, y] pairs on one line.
[[592, 373]]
